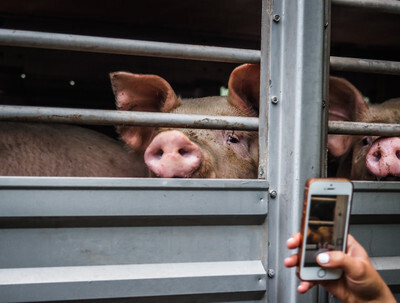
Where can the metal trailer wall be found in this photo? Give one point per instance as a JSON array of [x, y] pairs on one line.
[[151, 240]]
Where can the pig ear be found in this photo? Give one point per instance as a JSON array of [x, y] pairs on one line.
[[244, 88], [345, 104], [148, 93]]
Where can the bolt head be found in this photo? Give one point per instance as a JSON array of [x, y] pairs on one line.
[[271, 273]]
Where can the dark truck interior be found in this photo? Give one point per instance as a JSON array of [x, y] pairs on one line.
[[43, 77]]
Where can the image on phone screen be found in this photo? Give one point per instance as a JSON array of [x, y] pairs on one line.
[[326, 226]]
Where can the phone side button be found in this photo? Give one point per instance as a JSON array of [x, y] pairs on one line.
[[321, 273]]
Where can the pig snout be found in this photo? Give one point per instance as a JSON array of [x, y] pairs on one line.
[[171, 154], [383, 158]]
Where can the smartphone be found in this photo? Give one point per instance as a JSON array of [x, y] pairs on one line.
[[324, 225]]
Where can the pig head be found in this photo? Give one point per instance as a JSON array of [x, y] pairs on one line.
[[363, 157], [192, 153]]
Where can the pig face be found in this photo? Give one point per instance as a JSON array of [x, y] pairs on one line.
[[363, 157], [192, 153]]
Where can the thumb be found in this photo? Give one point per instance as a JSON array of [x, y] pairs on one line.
[[353, 267]]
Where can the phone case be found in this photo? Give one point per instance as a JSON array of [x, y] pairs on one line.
[[304, 213]]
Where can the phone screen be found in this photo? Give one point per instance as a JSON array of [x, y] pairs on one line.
[[326, 226]]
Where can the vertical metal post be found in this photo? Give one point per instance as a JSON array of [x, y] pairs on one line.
[[295, 84]]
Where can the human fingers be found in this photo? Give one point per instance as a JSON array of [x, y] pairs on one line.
[[353, 267], [355, 249], [291, 261], [294, 241], [304, 286]]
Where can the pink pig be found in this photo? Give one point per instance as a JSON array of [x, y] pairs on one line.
[[192, 153], [363, 157], [37, 149]]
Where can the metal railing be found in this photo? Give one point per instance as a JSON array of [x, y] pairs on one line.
[[114, 117], [387, 6], [9, 37], [46, 40]]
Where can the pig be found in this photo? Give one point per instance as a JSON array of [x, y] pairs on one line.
[[38, 149], [372, 158], [192, 153]]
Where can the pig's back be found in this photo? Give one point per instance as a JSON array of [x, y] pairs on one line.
[[36, 149]]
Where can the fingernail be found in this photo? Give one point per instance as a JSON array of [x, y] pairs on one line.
[[323, 258], [290, 240]]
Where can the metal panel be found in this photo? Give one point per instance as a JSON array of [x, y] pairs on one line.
[[379, 240], [71, 283], [389, 269], [65, 197], [191, 241], [376, 198], [88, 238], [295, 130]]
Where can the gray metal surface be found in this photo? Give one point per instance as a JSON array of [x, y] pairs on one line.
[[11, 37], [360, 128], [99, 238], [389, 269], [69, 197], [294, 133], [376, 198], [100, 282], [114, 117], [365, 65], [387, 6]]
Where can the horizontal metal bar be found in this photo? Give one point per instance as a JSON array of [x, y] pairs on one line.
[[21, 38], [9, 37], [114, 117], [360, 128], [35, 197], [123, 281], [387, 6], [365, 65]]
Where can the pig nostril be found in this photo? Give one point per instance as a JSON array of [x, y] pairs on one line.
[[377, 156], [398, 154], [182, 152], [159, 153]]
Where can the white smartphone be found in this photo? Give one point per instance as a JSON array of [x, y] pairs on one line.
[[324, 226]]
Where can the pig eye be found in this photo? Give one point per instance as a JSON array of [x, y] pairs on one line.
[[365, 141], [233, 139]]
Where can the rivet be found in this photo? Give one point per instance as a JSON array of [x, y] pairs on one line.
[[274, 100], [276, 18], [273, 194], [271, 273]]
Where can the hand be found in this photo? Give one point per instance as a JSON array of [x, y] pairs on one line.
[[360, 282]]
